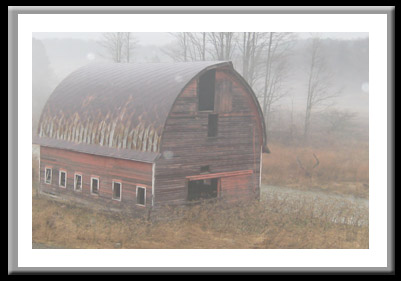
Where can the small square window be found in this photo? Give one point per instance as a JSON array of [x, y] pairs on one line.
[[140, 195], [48, 175], [95, 186], [63, 179], [205, 169], [78, 182], [116, 191]]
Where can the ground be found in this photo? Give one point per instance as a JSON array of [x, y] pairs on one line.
[[282, 219]]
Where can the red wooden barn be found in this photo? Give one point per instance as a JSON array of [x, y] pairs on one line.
[[143, 135]]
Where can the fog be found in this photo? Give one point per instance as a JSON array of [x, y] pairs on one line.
[[313, 90], [345, 69]]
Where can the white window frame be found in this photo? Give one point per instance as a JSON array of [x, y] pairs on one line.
[[144, 199], [75, 182], [59, 178], [112, 190], [51, 175], [98, 185]]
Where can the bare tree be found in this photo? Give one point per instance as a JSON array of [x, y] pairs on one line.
[[291, 125], [197, 45], [339, 121], [112, 42], [222, 45], [251, 48], [43, 80], [175, 50], [129, 43], [118, 45], [320, 91], [275, 71], [180, 50], [184, 42]]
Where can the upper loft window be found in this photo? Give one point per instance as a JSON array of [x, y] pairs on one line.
[[206, 90]]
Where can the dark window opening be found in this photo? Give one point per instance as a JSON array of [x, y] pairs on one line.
[[206, 90], [78, 182], [48, 175], [205, 169], [62, 178], [202, 189], [95, 186], [116, 191], [140, 195], [212, 125]]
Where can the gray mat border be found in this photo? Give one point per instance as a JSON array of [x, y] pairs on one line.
[[14, 11]]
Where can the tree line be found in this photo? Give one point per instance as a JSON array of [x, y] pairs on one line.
[[262, 58]]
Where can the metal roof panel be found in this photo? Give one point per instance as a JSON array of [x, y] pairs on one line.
[[116, 105]]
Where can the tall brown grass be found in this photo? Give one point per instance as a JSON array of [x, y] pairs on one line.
[[272, 222], [342, 168]]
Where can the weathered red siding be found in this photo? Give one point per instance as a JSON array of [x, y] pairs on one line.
[[238, 187], [130, 173], [185, 146]]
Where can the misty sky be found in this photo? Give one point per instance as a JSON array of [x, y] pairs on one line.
[[348, 61], [162, 38]]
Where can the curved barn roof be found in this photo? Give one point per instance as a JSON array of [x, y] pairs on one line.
[[116, 109]]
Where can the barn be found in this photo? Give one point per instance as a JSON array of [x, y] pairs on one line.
[[146, 135]]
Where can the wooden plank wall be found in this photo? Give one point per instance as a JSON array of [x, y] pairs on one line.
[[238, 188], [185, 146], [129, 173]]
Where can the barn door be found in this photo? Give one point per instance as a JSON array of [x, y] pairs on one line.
[[202, 189]]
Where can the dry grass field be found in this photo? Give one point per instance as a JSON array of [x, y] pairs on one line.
[[268, 224], [277, 221], [342, 169]]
